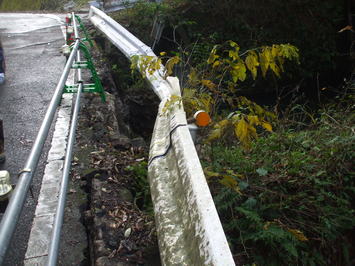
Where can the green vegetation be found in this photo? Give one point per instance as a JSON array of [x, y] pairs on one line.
[[289, 200], [33, 5], [15, 5], [139, 19], [142, 197], [193, 27]]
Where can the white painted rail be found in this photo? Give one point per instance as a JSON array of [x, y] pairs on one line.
[[188, 226]]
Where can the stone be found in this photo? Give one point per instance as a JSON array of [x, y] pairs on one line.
[[121, 143], [100, 248], [125, 194], [138, 143]]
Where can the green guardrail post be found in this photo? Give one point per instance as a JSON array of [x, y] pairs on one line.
[[95, 87]]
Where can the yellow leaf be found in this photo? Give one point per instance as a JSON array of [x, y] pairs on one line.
[[270, 115], [289, 52], [233, 44], [170, 65], [265, 58], [241, 130], [216, 64], [238, 72], [209, 84], [230, 182], [253, 120], [275, 68], [281, 61], [209, 173], [213, 56], [298, 234], [215, 134], [163, 53], [218, 130], [252, 62], [275, 49], [169, 105], [252, 132], [233, 54], [206, 102], [222, 123], [193, 77], [258, 109], [267, 225], [189, 93], [267, 126]]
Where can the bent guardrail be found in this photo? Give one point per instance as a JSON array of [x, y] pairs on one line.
[[188, 226]]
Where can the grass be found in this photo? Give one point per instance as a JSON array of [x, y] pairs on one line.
[[33, 5], [20, 5]]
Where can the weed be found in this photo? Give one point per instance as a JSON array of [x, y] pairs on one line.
[[141, 186], [294, 199]]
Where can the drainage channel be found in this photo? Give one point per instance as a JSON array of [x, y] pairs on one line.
[[108, 185]]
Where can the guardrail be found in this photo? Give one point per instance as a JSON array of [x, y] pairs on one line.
[[59, 216], [188, 226], [17, 199]]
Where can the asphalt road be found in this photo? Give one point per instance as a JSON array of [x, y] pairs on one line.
[[34, 65]]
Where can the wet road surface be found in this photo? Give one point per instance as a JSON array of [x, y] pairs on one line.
[[34, 65]]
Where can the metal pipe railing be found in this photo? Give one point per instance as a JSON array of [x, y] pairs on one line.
[[58, 220], [17, 199]]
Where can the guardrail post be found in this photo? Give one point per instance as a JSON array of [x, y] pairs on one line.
[[72, 32], [82, 27]]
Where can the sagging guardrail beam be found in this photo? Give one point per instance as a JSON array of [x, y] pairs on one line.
[[129, 45], [188, 226], [17, 199]]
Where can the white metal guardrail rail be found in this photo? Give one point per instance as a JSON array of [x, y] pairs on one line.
[[188, 226]]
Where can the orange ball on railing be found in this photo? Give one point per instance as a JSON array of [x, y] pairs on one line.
[[202, 118]]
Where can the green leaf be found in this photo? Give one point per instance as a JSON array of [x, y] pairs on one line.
[[243, 185], [250, 203], [290, 248], [262, 171]]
